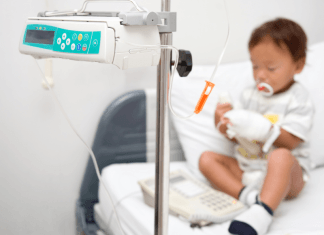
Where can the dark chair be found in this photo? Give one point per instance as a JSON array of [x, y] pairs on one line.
[[121, 137]]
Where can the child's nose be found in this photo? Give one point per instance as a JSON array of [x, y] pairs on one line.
[[261, 75]]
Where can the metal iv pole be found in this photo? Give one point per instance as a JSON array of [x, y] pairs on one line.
[[162, 154]]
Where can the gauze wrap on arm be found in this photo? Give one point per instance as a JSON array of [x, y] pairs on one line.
[[252, 126]]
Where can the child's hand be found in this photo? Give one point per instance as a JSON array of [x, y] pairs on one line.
[[222, 127], [248, 124], [221, 109]]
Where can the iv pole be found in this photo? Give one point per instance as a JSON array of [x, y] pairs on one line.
[[162, 152]]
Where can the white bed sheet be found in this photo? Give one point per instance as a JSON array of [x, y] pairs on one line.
[[303, 215]]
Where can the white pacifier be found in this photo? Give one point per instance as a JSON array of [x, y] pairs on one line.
[[261, 86]]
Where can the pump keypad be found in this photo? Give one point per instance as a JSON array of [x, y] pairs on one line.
[[82, 42]]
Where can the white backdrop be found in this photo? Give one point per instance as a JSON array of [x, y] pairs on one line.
[[42, 161]]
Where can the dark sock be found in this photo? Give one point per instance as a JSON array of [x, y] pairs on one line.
[[241, 191], [265, 206]]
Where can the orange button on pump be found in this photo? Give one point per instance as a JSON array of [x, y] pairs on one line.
[[80, 37]]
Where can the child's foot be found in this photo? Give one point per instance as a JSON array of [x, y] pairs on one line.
[[254, 221]]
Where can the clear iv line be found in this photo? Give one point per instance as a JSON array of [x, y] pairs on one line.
[[209, 83], [176, 64], [225, 46], [88, 148], [80, 11], [172, 73]]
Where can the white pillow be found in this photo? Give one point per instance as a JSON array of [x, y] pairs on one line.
[[199, 134]]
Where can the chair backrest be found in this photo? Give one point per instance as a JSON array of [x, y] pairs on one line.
[[125, 134]]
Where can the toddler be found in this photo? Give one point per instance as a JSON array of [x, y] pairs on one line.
[[270, 127]]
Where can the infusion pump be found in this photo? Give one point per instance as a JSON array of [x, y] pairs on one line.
[[91, 38]]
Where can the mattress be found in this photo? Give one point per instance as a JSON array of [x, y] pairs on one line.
[[302, 215]]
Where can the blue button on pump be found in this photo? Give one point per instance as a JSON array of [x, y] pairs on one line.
[[79, 47]]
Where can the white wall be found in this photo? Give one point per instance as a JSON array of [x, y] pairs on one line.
[[202, 25], [42, 161]]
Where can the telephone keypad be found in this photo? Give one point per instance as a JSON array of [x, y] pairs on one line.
[[215, 201]]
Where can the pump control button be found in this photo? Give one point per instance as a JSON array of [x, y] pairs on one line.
[[58, 41], [79, 47], [64, 36], [95, 43], [74, 36], [80, 37], [84, 47], [72, 46], [86, 37], [68, 41], [62, 46]]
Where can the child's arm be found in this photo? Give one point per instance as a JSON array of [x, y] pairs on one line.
[[284, 140], [221, 109], [223, 129], [287, 140]]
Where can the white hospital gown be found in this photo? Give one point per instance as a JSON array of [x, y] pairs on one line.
[[292, 110]]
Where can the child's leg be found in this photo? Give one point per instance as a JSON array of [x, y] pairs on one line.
[[223, 172], [284, 178]]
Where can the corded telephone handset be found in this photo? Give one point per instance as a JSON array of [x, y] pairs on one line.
[[193, 200]]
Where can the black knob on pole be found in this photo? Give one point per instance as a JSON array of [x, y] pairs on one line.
[[185, 63]]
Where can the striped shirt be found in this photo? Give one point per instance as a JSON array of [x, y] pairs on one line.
[[292, 110]]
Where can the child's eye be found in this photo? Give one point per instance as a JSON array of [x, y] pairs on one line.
[[271, 69], [255, 67]]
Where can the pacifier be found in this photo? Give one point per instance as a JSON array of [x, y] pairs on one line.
[[262, 86]]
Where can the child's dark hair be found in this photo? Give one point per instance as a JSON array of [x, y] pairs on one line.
[[282, 31]]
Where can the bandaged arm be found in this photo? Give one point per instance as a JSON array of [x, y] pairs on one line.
[[284, 140], [254, 126]]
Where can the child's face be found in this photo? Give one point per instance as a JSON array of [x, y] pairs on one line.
[[274, 65]]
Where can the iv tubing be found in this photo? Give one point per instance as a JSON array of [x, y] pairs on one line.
[[172, 73], [221, 56], [209, 82], [80, 11], [88, 148], [160, 46]]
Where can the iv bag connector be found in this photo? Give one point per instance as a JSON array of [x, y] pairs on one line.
[[204, 96]]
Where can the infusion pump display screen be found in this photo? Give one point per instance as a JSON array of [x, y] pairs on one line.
[[62, 40], [38, 36]]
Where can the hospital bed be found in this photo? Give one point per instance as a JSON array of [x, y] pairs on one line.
[[125, 151]]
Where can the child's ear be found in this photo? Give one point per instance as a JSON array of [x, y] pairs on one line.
[[300, 65]]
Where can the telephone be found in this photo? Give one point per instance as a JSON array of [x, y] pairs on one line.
[[193, 200]]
